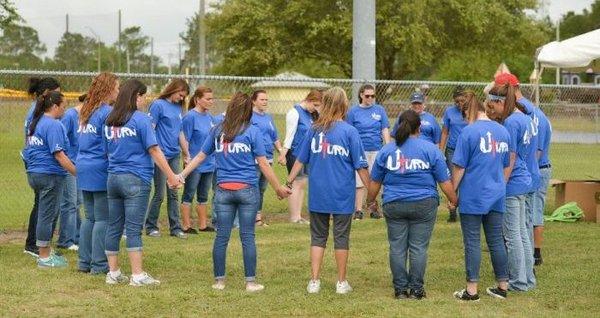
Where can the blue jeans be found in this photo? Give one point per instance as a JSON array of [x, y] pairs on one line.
[[409, 227], [262, 186], [518, 244], [199, 184], [92, 234], [470, 225], [449, 153], [228, 204], [49, 189], [127, 204], [539, 197], [69, 210], [160, 183]]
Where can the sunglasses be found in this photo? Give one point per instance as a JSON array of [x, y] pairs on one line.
[[495, 98], [370, 96]]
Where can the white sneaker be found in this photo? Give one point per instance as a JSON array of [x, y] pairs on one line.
[[73, 247], [314, 286], [144, 281], [343, 287], [219, 285], [254, 287], [116, 280]]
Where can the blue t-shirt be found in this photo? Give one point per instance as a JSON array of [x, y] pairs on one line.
[[519, 128], [127, 147], [410, 173], [196, 127], [332, 159], [532, 161], [219, 118], [266, 125], [369, 121], [430, 129], [235, 160], [544, 135], [166, 117], [48, 138], [92, 162], [483, 150], [304, 123], [454, 122], [28, 118], [71, 122]]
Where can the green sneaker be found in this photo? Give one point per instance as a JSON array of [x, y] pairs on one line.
[[52, 262]]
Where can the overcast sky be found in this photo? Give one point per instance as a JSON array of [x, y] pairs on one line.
[[161, 19]]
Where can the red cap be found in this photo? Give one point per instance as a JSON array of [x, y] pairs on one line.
[[505, 78]]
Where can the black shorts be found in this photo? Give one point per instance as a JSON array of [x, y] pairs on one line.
[[290, 159], [319, 230]]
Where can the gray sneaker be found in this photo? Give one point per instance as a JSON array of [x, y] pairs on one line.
[[146, 280], [121, 279], [180, 235], [154, 233]]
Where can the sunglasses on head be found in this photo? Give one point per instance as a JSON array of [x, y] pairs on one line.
[[370, 96], [495, 98]]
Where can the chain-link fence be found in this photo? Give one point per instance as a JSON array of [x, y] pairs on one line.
[[573, 110]]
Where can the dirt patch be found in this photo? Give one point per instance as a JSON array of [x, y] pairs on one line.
[[8, 236]]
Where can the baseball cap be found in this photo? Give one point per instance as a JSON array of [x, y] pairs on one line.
[[506, 78], [417, 97]]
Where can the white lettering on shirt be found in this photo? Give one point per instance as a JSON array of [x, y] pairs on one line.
[[325, 148], [397, 161], [489, 144], [119, 132], [230, 147]]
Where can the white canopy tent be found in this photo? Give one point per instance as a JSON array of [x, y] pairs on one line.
[[578, 51]]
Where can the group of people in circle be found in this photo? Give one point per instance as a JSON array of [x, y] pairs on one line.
[[494, 173]]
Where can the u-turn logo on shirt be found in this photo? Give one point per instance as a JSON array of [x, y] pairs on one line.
[[490, 145], [87, 129], [35, 141], [397, 161], [230, 147], [325, 148], [119, 132]]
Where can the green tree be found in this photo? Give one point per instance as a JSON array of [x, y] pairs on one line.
[[136, 44], [8, 14], [21, 47], [415, 39], [77, 52], [572, 24]]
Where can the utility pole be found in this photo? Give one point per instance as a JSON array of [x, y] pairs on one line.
[[119, 44], [201, 41], [363, 43], [127, 56], [99, 47], [558, 39], [179, 55], [151, 61], [67, 24]]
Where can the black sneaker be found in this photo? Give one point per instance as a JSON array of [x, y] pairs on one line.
[[191, 230], [464, 295], [401, 294], [208, 228], [496, 292], [375, 215], [32, 250], [417, 294], [359, 215], [538, 261], [452, 216]]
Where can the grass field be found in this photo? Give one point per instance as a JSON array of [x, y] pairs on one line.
[[569, 280]]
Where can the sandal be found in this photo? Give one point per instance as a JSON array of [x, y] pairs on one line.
[[260, 222]]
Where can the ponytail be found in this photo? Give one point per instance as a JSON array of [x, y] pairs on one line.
[[42, 105], [409, 123], [39, 86]]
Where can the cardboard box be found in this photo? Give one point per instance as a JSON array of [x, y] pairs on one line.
[[597, 207], [584, 192]]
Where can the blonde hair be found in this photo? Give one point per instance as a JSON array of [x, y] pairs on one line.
[[335, 107], [472, 106]]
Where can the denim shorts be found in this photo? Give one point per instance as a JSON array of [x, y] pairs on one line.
[[199, 183], [290, 159]]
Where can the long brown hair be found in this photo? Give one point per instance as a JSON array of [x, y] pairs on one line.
[[126, 103], [174, 86], [198, 93], [510, 101], [410, 122], [335, 107], [472, 106], [239, 113], [102, 86]]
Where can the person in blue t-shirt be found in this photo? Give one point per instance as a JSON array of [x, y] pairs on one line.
[[481, 166], [237, 146], [519, 247], [131, 146], [372, 124], [69, 207], [196, 126], [92, 165], [297, 122], [267, 128], [37, 88], [166, 115], [430, 129], [454, 120], [333, 151], [47, 165], [409, 170]]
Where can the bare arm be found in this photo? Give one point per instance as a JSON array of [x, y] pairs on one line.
[[267, 171], [385, 134], [444, 138], [363, 173], [65, 162], [185, 148], [457, 175], [508, 170], [294, 172], [374, 188], [449, 192], [161, 162], [195, 162]]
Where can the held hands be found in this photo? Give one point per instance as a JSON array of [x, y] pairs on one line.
[[283, 192], [186, 160], [175, 181], [281, 160], [452, 205]]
